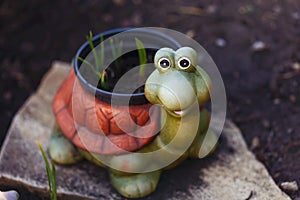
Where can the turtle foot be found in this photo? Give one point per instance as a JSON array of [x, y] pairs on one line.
[[61, 150], [135, 185]]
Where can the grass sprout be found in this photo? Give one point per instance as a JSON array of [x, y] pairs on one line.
[[116, 50], [142, 57], [51, 174]]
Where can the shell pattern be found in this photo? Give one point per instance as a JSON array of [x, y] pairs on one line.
[[90, 124]]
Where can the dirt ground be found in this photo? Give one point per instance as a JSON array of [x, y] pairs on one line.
[[256, 45]]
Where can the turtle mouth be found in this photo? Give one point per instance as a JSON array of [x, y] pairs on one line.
[[177, 113]]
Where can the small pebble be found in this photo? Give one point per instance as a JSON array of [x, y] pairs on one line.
[[255, 143], [211, 9], [9, 195], [259, 46], [296, 66], [220, 42], [190, 33], [292, 98], [276, 101], [266, 123], [296, 15], [290, 130], [277, 9], [290, 186]]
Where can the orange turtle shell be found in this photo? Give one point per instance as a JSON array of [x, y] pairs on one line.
[[94, 126]]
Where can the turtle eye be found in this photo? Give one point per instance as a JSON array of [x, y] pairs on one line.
[[164, 63], [184, 63]]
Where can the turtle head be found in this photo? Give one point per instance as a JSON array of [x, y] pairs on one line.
[[176, 83]]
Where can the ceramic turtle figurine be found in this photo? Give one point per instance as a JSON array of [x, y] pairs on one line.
[[178, 85]]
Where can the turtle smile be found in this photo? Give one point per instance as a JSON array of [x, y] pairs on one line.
[[178, 113], [175, 113]]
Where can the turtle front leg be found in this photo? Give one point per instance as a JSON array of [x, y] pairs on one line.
[[205, 140], [203, 145], [135, 185], [61, 150]]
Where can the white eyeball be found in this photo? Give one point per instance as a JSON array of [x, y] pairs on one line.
[[184, 63], [164, 63]]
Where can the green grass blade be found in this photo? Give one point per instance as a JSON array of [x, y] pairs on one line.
[[113, 49], [89, 38], [54, 195], [141, 51], [48, 170], [142, 56], [120, 47], [90, 65], [101, 57]]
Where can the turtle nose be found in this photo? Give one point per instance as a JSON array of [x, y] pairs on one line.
[[176, 96], [168, 98]]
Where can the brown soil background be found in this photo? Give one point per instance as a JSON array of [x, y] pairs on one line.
[[263, 87]]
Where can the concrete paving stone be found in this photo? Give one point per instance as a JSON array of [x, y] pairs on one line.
[[231, 172]]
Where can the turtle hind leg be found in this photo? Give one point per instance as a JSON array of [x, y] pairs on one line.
[[61, 150], [135, 185]]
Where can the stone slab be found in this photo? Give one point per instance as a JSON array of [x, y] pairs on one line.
[[232, 172]]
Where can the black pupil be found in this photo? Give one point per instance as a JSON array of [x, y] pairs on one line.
[[164, 63], [184, 63]]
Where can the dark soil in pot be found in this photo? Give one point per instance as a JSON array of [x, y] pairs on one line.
[[117, 69]]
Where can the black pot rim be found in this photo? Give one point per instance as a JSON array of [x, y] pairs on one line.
[[137, 98]]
